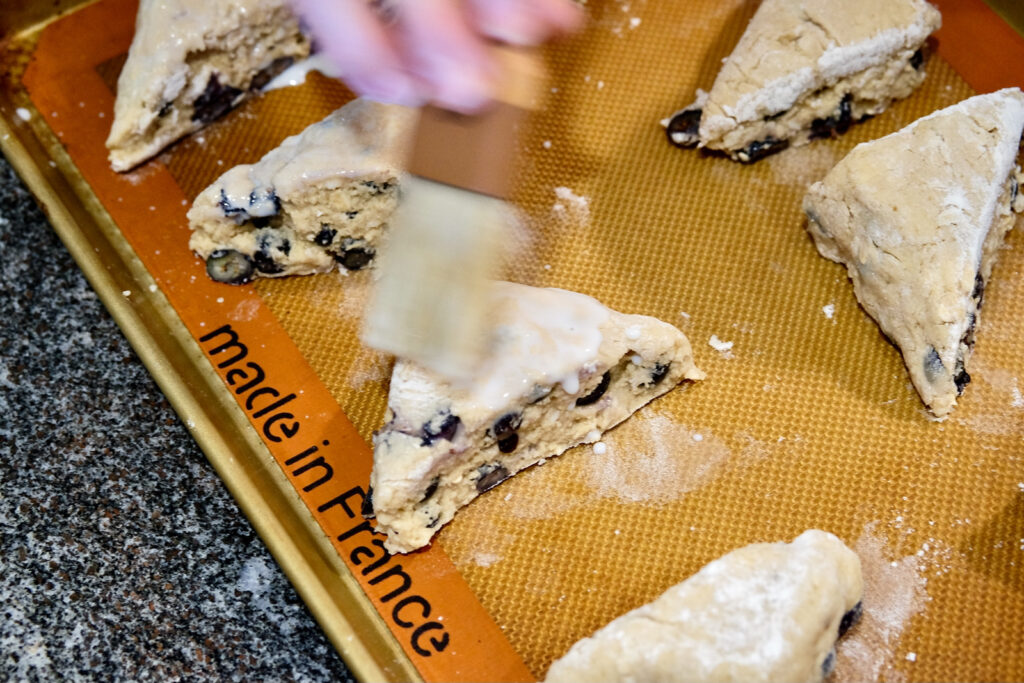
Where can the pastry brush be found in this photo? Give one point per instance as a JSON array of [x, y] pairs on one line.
[[430, 301]]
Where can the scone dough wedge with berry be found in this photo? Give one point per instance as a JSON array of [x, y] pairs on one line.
[[190, 62], [320, 200], [807, 69], [765, 612], [917, 218], [562, 368]]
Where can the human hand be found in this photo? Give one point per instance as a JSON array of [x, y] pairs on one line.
[[416, 51]]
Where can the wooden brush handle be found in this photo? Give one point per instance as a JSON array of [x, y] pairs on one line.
[[477, 152]]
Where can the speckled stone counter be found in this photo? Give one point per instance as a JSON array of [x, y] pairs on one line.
[[122, 555]]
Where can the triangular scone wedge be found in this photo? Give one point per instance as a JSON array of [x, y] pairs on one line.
[[320, 200], [191, 61], [765, 612], [917, 217], [563, 368], [807, 69]]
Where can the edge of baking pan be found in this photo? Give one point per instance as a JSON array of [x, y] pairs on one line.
[[174, 359], [1012, 12]]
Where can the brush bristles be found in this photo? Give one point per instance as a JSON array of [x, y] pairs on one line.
[[430, 302]]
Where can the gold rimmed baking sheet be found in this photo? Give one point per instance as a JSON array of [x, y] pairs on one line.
[[808, 420]]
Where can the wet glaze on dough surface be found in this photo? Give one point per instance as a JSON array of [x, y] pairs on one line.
[[562, 369], [320, 200]]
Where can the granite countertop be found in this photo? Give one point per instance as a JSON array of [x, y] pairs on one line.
[[122, 555]]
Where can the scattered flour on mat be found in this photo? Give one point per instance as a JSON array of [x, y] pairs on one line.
[[244, 310], [620, 22], [656, 460], [484, 550], [723, 347], [806, 165], [571, 207], [894, 593], [1003, 418], [830, 311]]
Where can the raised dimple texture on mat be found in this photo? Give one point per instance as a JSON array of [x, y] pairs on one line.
[[808, 420]]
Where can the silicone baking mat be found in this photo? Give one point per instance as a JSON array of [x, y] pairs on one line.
[[806, 419]]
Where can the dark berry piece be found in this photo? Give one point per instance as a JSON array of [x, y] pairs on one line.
[[917, 59], [978, 293], [431, 490], [229, 266], [267, 73], [972, 324], [270, 195], [165, 109], [229, 209], [837, 123], [351, 214], [829, 664], [960, 377], [366, 509], [683, 129], [433, 522], [217, 99], [443, 429], [850, 618], [356, 258], [325, 237], [265, 263], [509, 443], [598, 391], [759, 149], [933, 367], [375, 187], [489, 476], [506, 425], [659, 372]]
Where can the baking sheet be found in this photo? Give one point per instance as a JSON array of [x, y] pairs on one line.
[[809, 419]]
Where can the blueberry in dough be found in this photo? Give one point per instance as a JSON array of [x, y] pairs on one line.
[[490, 476], [229, 266], [599, 391], [217, 99]]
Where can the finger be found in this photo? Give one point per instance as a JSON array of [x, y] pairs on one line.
[[450, 59], [525, 22], [351, 34]]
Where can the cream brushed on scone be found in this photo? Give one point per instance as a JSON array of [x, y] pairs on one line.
[[190, 62], [321, 200], [807, 69], [765, 612], [917, 218], [560, 370]]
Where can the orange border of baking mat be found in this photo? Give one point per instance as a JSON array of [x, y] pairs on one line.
[[429, 608], [149, 208]]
